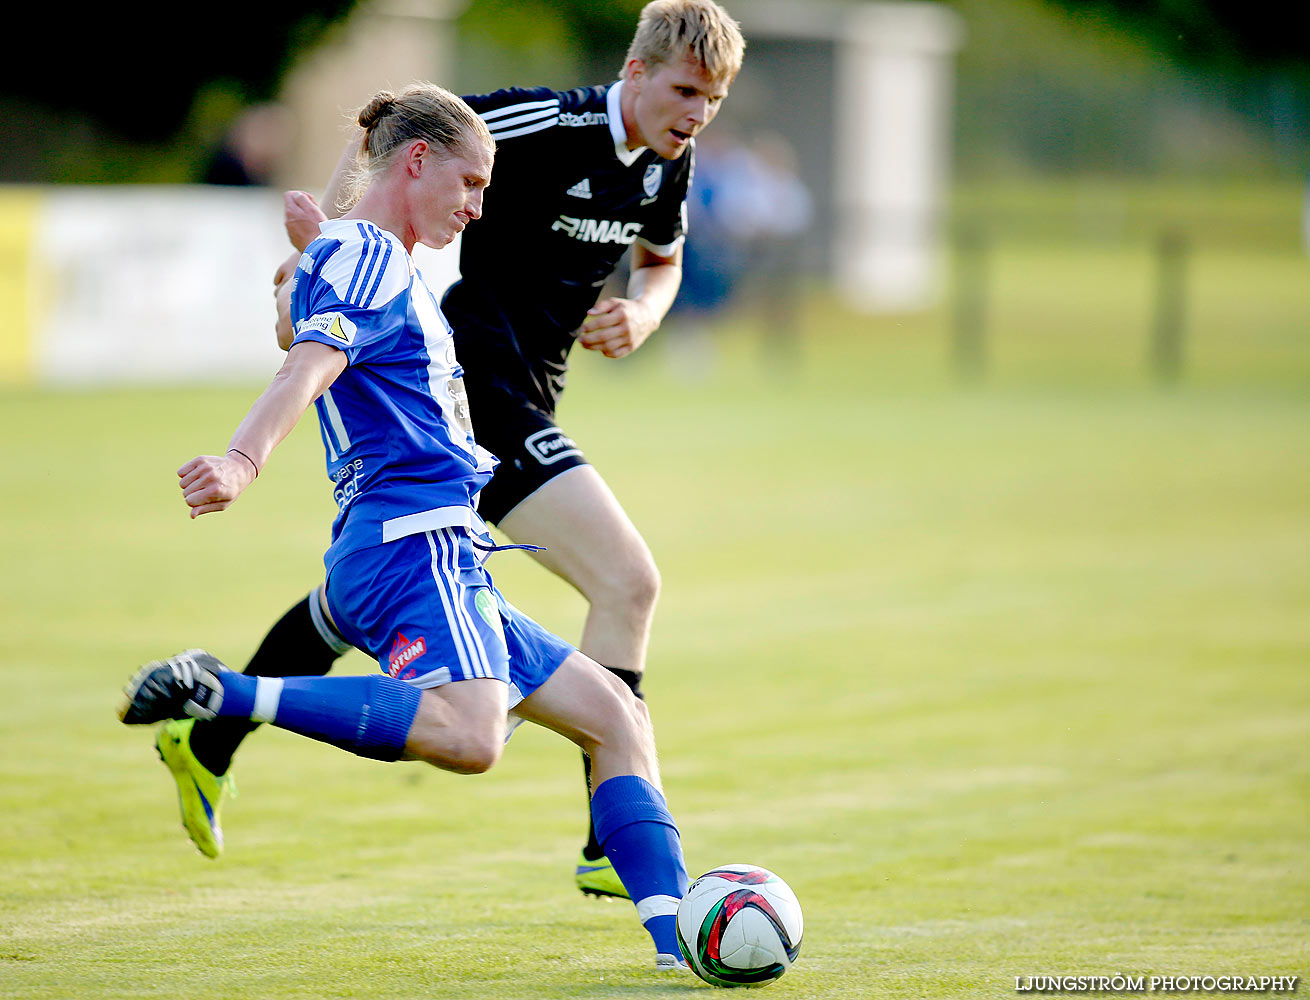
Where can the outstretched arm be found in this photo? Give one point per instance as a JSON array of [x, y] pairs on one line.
[[616, 327], [213, 482]]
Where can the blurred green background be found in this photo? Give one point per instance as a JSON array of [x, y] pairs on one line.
[[985, 624], [1144, 144], [1211, 88]]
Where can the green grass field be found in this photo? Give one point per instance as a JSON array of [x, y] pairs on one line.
[[1005, 679]]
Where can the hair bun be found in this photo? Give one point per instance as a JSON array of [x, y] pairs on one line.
[[379, 107]]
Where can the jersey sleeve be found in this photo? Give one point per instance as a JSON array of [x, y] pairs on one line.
[[351, 296], [517, 111], [666, 227]]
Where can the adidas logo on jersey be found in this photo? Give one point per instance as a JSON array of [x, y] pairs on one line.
[[597, 230], [582, 189]]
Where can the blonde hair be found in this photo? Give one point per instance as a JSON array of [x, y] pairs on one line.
[[701, 29], [420, 111]]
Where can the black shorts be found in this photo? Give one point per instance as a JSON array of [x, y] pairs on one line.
[[531, 449], [512, 392]]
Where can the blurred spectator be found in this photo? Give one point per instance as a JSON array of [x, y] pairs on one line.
[[252, 149], [748, 211], [712, 254], [1305, 216], [771, 210]]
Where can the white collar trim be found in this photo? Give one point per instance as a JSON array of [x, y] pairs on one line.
[[339, 227], [614, 108]]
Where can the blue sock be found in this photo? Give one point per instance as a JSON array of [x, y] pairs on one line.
[[641, 840], [368, 715], [238, 695]]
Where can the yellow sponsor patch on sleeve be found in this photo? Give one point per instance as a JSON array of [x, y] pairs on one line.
[[334, 324]]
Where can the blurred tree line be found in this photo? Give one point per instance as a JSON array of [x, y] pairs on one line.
[[137, 92], [1145, 87], [1236, 35], [141, 94]]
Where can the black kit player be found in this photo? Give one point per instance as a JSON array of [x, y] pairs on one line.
[[580, 177]]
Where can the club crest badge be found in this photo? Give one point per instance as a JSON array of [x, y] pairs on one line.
[[651, 182]]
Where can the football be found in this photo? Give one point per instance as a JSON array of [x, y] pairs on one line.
[[739, 925]]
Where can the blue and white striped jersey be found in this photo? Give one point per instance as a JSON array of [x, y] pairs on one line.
[[395, 424]]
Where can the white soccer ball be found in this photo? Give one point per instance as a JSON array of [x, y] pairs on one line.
[[739, 925]]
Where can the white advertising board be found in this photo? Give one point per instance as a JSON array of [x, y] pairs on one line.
[[163, 284]]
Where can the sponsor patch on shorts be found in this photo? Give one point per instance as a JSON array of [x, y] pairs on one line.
[[488, 609], [403, 654], [550, 445]]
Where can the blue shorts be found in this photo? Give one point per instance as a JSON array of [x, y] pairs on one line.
[[425, 607]]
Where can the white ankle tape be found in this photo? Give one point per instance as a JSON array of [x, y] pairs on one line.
[[268, 692], [656, 906]]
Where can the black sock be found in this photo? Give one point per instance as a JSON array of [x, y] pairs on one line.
[[295, 647], [593, 851]]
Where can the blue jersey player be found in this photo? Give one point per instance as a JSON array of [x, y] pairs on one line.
[[405, 580], [581, 177]]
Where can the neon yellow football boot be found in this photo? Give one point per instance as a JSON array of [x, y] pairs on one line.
[[200, 793], [598, 878]]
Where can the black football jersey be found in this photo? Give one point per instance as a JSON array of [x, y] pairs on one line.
[[565, 202]]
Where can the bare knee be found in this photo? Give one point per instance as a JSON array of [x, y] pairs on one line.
[[640, 716], [460, 727], [630, 586], [476, 757], [466, 757], [466, 751], [644, 584], [627, 729]]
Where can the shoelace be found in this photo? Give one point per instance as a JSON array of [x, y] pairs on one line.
[[488, 546]]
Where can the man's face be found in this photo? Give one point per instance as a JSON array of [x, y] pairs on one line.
[[672, 103], [450, 190]]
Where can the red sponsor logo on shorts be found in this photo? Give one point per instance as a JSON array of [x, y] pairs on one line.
[[403, 654]]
